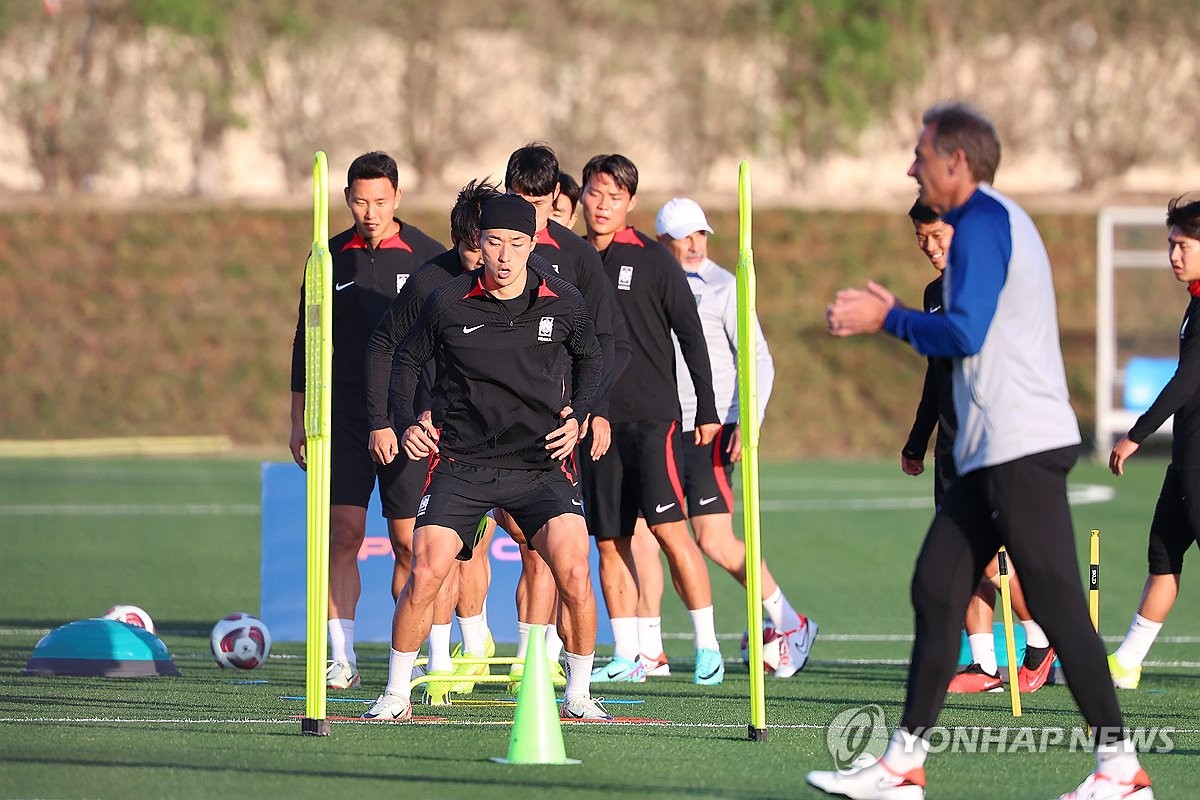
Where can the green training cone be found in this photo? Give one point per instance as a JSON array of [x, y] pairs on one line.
[[536, 732]]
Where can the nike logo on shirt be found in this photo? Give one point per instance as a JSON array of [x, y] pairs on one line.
[[340, 286], [471, 330], [935, 309], [576, 503], [661, 509]]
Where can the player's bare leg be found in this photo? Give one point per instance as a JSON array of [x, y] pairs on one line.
[[347, 529]]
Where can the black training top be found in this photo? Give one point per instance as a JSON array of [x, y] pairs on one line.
[[578, 263], [937, 397], [654, 296], [1181, 397], [364, 282], [503, 368]]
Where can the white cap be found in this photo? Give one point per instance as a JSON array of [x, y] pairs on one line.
[[680, 218]]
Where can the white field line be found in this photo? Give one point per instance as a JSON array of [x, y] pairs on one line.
[[477, 723], [1080, 495], [129, 510], [908, 637]]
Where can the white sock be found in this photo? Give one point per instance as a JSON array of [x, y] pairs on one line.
[[625, 637], [1034, 635], [905, 752], [439, 649], [341, 641], [473, 634], [706, 631], [554, 643], [783, 617], [983, 651], [579, 675], [400, 667], [483, 613], [650, 635], [1118, 760], [522, 639], [1137, 642]]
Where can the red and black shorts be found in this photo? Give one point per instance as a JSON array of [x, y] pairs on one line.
[[353, 474], [639, 475], [1176, 525], [708, 473], [460, 495]]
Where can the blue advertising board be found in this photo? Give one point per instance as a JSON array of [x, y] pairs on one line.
[[284, 571]]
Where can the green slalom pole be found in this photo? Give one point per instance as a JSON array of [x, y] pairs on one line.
[[748, 418], [318, 359]]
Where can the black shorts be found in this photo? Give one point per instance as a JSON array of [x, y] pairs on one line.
[[460, 495], [639, 475], [708, 473], [352, 473], [1176, 525]]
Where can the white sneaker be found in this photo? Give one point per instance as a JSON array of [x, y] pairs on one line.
[[389, 706], [797, 644], [584, 708], [341, 674], [1099, 786], [656, 666], [872, 781]]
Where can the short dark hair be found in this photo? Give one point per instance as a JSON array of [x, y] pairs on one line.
[[616, 166], [376, 164], [1183, 212], [923, 214], [961, 125], [570, 188], [464, 217], [532, 170]]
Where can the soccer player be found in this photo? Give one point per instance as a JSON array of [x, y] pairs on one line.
[[1176, 523], [640, 473], [461, 590], [1017, 439], [533, 173], [936, 408], [683, 228], [566, 204], [508, 343], [371, 262]]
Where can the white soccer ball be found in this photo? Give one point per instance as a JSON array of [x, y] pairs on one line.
[[240, 640], [130, 615], [772, 648]]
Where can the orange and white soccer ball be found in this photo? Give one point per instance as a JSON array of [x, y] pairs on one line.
[[130, 615], [240, 640]]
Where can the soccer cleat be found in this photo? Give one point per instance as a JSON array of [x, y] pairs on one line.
[[1031, 679], [656, 666], [710, 667], [558, 676], [1099, 786], [797, 644], [470, 671], [973, 679], [584, 708], [620, 670], [1124, 677], [389, 706], [872, 781], [438, 693], [341, 674]]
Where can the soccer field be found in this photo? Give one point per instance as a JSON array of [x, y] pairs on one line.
[[181, 539]]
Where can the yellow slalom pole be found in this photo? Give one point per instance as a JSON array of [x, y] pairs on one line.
[[748, 419], [1094, 581], [318, 356], [1009, 640]]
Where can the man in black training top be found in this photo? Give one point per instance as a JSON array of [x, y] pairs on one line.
[[371, 263]]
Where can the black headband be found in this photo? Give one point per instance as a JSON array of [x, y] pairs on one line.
[[508, 212]]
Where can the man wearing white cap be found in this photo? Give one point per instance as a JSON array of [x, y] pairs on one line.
[[682, 226]]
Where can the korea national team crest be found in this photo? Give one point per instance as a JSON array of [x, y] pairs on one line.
[[625, 278], [401, 279], [546, 329]]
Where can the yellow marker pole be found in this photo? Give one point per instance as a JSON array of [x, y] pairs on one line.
[[748, 418], [318, 360], [1009, 640], [1094, 581]]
